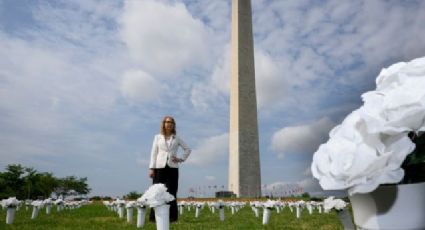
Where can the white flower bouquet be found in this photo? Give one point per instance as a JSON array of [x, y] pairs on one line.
[[11, 202], [156, 195], [268, 206], [372, 145], [332, 203], [36, 206]]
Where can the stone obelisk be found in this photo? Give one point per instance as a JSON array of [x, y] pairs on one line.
[[244, 159]]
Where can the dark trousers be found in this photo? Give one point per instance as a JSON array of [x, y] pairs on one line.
[[170, 178]]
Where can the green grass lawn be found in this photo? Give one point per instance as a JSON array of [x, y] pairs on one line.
[[97, 216]]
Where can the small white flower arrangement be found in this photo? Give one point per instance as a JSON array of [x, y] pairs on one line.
[[370, 146], [58, 202], [269, 204], [156, 195], [332, 203], [37, 203], [130, 204], [11, 202], [119, 203]]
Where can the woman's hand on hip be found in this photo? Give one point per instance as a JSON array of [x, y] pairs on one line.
[[177, 160], [151, 173]]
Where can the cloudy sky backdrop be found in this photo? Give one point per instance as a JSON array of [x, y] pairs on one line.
[[85, 83]]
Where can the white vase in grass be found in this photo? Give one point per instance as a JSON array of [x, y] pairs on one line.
[[48, 209], [141, 213], [10, 204], [346, 220], [256, 212], [298, 211], [10, 216], [121, 211], [310, 209], [36, 206], [157, 197], [197, 211], [129, 214], [232, 208], [35, 210], [181, 209], [130, 207], [266, 215], [162, 217], [59, 207], [221, 213]]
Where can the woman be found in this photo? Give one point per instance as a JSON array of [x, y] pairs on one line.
[[164, 163]]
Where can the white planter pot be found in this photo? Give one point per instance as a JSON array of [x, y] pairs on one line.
[[266, 215], [34, 214], [298, 212], [10, 216], [391, 207], [48, 209], [129, 215], [221, 212], [197, 212], [256, 212], [346, 220], [141, 212], [162, 217], [121, 212], [310, 209]]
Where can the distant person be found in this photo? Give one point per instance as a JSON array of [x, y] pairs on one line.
[[164, 162]]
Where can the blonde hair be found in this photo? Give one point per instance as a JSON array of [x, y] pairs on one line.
[[162, 128]]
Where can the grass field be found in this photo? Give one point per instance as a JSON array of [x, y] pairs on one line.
[[97, 216]]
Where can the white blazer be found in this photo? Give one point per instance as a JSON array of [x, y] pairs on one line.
[[162, 153]]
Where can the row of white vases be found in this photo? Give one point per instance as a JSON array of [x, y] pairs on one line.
[[256, 206], [121, 207], [268, 207], [12, 205]]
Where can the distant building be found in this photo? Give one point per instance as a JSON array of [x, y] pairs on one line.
[[224, 194]]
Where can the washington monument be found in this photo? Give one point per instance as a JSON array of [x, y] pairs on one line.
[[244, 159]]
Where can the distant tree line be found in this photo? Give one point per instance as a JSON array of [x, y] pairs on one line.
[[27, 183]]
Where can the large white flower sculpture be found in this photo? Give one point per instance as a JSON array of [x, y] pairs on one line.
[[369, 146]]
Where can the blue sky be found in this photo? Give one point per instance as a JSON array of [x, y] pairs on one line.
[[85, 83]]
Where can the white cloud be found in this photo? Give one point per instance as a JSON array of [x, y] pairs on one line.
[[210, 150], [301, 139], [210, 178], [212, 93], [163, 37], [140, 87], [271, 84]]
